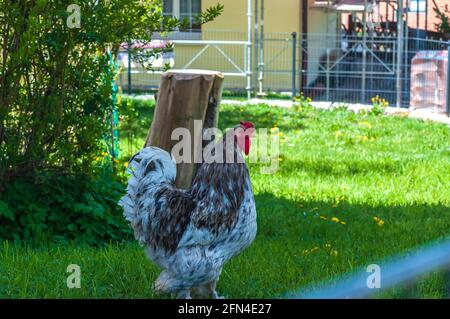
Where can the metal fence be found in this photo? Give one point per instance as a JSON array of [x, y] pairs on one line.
[[354, 69], [248, 67], [223, 51], [326, 67]]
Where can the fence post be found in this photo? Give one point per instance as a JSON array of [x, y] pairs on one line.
[[255, 47], [261, 51], [249, 49], [447, 93], [400, 43], [328, 74], [129, 68], [364, 55], [294, 64]]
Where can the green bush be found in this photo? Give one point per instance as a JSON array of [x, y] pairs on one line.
[[135, 118], [56, 80], [56, 83], [134, 115], [443, 17], [63, 208]]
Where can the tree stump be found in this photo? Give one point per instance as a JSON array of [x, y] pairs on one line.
[[183, 97]]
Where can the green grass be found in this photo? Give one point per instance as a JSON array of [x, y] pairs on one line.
[[338, 171]]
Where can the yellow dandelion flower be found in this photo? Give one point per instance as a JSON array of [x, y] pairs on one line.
[[362, 138], [125, 164], [379, 221], [343, 223], [366, 124], [280, 134], [335, 219], [323, 217]]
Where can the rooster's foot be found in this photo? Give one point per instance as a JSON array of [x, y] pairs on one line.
[[184, 294], [215, 295], [212, 290]]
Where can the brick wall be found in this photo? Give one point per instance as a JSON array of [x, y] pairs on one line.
[[432, 19], [412, 15]]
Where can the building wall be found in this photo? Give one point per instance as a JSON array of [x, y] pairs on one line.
[[432, 19], [421, 18], [282, 17]]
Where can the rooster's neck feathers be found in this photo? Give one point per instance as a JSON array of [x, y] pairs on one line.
[[222, 185], [220, 188]]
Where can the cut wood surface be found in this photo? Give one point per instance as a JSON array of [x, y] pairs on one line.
[[183, 97]]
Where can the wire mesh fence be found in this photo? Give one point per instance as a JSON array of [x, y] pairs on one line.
[[222, 51], [325, 67], [269, 65], [354, 69]]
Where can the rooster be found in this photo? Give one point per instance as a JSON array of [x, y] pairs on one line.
[[191, 234]]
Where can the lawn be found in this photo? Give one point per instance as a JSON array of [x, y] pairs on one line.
[[351, 190]]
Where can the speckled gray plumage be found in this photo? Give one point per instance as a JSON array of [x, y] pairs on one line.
[[190, 234]]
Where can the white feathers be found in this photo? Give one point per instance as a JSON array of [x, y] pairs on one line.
[[173, 158], [149, 169]]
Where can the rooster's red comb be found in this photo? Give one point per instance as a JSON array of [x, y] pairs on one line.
[[247, 124]]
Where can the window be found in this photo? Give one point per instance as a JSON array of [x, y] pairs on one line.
[[417, 5], [184, 9]]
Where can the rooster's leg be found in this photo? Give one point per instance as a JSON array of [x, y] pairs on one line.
[[206, 291], [169, 283], [212, 290], [184, 294]]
